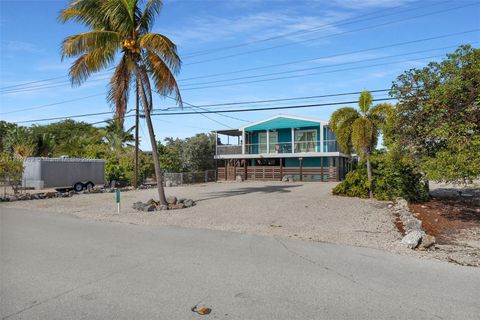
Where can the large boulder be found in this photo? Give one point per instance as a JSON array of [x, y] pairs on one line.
[[412, 239]]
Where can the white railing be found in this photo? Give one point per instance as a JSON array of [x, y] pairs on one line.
[[280, 147]]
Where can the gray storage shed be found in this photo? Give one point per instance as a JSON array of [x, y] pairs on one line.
[[62, 173]]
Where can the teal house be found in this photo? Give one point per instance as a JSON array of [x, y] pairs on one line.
[[299, 148]]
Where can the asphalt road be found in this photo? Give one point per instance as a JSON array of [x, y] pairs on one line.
[[55, 266]]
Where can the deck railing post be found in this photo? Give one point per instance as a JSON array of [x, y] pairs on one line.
[[293, 140]]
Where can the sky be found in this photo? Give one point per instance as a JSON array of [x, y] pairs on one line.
[[236, 51]]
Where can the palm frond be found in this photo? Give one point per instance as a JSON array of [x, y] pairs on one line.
[[86, 12], [365, 101], [144, 88], [363, 131], [163, 79], [120, 88], [164, 48], [341, 123], [147, 17], [89, 63], [120, 14], [89, 41]]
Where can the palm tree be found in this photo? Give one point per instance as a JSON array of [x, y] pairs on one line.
[[116, 136], [121, 29], [359, 130]]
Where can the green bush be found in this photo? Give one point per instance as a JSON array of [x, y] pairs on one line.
[[11, 171], [354, 185], [393, 176]]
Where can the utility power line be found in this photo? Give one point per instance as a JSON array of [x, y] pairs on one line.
[[269, 108], [324, 66], [315, 29], [202, 112], [289, 71], [330, 35], [305, 75], [289, 99], [214, 105], [443, 36]]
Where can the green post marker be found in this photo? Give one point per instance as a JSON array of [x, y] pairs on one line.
[[117, 196]]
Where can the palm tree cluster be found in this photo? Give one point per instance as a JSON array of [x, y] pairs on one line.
[[120, 30], [357, 130]]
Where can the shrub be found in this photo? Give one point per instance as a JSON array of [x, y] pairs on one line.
[[11, 171], [393, 176], [354, 185]]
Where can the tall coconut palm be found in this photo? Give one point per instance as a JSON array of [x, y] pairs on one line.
[[359, 130], [121, 30]]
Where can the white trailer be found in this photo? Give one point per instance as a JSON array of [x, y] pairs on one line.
[[63, 173]]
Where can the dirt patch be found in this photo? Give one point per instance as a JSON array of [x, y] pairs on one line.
[[399, 224], [446, 218]]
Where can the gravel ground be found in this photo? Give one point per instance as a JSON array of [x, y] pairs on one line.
[[305, 211], [297, 210]]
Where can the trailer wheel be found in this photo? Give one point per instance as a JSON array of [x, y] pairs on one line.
[[89, 185], [78, 187]]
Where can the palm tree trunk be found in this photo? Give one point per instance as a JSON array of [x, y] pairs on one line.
[[151, 133], [369, 176], [135, 173]]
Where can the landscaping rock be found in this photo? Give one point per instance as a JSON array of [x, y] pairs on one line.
[[176, 206], [151, 202], [189, 203], [239, 178], [162, 207], [427, 241], [401, 203], [171, 200], [413, 224], [138, 205], [412, 239], [49, 195], [149, 207]]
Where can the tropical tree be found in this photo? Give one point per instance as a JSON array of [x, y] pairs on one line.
[[359, 130], [437, 118], [115, 134], [122, 29]]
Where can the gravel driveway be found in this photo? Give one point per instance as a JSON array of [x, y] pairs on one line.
[[297, 210]]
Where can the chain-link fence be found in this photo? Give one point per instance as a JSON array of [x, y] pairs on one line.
[[177, 179]]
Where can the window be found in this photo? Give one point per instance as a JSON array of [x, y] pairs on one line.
[[262, 142], [306, 140], [273, 137]]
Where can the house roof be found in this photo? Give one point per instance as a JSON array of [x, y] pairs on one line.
[[282, 122]]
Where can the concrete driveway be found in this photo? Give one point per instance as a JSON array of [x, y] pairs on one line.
[[55, 266]]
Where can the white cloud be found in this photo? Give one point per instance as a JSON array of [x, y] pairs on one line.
[[256, 26]]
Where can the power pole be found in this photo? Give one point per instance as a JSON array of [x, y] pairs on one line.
[[135, 175]]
